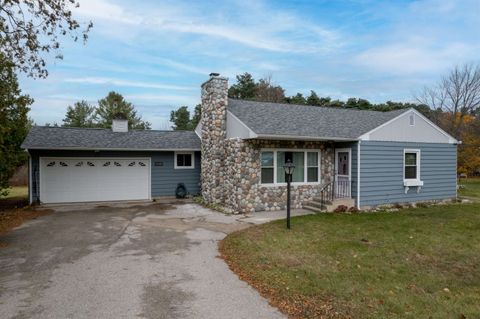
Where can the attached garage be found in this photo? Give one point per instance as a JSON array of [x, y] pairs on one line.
[[64, 180], [71, 165]]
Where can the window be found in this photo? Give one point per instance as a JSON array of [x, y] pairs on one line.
[[412, 164], [184, 160], [307, 166], [312, 167], [267, 167], [298, 159]]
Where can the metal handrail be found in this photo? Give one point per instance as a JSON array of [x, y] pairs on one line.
[[334, 189], [327, 192]]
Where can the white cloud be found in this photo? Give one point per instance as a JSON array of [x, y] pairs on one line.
[[126, 83], [408, 58], [158, 99], [255, 25]]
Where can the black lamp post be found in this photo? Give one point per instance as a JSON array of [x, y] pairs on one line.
[[289, 168]]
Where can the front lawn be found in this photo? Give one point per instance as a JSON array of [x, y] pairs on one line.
[[417, 263], [469, 188]]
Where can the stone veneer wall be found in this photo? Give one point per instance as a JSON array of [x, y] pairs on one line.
[[242, 188], [213, 119], [231, 169]]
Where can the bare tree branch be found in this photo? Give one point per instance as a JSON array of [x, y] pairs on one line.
[[30, 28], [458, 93]]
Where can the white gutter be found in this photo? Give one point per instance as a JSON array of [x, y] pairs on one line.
[[358, 174], [113, 149], [305, 138]]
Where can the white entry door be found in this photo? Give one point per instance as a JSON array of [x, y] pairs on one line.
[[343, 172], [65, 180]]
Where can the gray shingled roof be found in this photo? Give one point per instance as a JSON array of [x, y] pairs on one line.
[[42, 137], [270, 119]]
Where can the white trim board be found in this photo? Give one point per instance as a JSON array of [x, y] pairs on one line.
[[399, 129]]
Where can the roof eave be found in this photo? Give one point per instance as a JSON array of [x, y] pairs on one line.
[[304, 138], [47, 148]]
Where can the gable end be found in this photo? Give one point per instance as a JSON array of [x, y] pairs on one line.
[[410, 126]]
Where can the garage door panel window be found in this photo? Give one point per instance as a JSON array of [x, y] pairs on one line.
[[184, 160]]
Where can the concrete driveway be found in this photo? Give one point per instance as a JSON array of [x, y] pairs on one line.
[[112, 261]]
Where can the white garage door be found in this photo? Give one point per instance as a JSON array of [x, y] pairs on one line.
[[93, 179]]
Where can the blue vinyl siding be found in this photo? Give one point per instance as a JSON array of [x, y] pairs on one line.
[[164, 179], [381, 169]]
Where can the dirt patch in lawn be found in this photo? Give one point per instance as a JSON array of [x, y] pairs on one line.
[[10, 219]]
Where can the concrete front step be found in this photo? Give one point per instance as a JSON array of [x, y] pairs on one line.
[[314, 209], [316, 205]]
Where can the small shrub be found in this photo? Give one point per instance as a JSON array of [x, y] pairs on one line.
[[422, 205], [398, 206], [341, 209], [353, 209]]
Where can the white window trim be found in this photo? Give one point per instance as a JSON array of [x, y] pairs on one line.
[[305, 151], [412, 182], [184, 167]]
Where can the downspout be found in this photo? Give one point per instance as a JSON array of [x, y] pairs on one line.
[[30, 195], [358, 174]]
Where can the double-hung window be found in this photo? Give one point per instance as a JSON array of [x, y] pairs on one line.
[[411, 163], [307, 166], [267, 162]]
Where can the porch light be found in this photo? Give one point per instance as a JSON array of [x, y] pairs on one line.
[[289, 168]]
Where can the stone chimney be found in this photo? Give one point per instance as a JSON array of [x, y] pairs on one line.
[[213, 123], [120, 123]]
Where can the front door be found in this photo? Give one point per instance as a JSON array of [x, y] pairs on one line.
[[342, 172]]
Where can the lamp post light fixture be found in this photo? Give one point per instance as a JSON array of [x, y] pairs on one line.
[[289, 168]]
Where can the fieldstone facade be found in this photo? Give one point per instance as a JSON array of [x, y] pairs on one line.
[[214, 133], [231, 168]]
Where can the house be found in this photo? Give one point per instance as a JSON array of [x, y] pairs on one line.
[[236, 155]]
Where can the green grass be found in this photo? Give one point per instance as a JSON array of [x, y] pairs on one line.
[[470, 188], [17, 191], [417, 263]]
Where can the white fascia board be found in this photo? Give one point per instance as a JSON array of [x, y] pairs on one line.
[[112, 149], [305, 138], [366, 136], [198, 130], [251, 133], [451, 140]]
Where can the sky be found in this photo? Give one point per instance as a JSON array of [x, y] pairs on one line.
[[158, 53]]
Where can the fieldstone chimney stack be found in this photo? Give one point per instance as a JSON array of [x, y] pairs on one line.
[[213, 123]]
